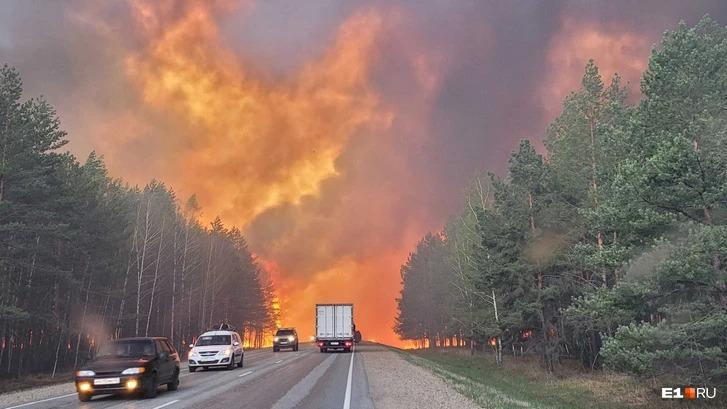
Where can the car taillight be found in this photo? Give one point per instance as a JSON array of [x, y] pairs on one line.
[[320, 344], [348, 343]]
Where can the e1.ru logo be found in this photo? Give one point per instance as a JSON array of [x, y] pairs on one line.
[[689, 393]]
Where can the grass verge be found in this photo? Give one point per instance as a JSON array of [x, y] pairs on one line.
[[33, 381], [521, 383]]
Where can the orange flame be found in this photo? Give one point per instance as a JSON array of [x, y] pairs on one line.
[[252, 145]]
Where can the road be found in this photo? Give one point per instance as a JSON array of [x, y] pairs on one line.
[[304, 379]]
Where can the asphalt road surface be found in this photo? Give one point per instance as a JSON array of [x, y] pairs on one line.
[[304, 379]]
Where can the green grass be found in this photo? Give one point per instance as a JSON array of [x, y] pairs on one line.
[[522, 384]]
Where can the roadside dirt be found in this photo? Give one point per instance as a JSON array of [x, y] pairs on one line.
[[397, 384]]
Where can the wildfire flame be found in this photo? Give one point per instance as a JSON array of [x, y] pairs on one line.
[[253, 144]]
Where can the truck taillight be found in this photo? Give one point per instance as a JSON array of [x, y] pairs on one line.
[[348, 343], [320, 344]]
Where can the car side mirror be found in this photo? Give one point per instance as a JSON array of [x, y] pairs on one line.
[[237, 344]]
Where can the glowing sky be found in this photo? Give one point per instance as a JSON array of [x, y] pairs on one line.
[[335, 133]]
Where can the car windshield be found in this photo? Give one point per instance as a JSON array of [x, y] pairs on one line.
[[285, 333], [207, 340], [126, 349]]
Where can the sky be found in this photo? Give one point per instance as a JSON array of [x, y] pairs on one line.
[[334, 133]]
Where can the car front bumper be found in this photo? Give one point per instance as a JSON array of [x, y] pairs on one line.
[[123, 386], [208, 361]]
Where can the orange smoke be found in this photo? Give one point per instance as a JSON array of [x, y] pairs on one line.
[[249, 145], [614, 51], [252, 144]]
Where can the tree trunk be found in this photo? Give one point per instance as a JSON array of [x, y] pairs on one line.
[[134, 245], [156, 275], [141, 266], [205, 283], [83, 316]]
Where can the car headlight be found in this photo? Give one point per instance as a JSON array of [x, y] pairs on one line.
[[291, 338], [276, 339], [133, 371], [85, 373], [225, 352]]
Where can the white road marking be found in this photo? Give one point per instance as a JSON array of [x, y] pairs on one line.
[[166, 404], [40, 401], [277, 362], [245, 374], [347, 398]]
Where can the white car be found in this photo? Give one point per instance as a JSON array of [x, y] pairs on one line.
[[216, 349]]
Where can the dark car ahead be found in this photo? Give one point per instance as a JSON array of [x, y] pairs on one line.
[[130, 366], [285, 338]]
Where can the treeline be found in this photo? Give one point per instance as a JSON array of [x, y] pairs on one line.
[[85, 257], [612, 247]]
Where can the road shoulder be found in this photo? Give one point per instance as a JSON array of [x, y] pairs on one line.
[[395, 383]]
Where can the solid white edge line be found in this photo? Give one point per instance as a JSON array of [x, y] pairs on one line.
[[166, 404], [347, 398], [245, 374], [40, 401]]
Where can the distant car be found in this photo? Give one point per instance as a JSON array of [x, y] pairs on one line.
[[216, 349], [285, 338], [129, 366]]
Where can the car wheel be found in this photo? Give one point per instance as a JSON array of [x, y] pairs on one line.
[[192, 368], [205, 368], [84, 397], [275, 349], [242, 356], [232, 365], [323, 350], [296, 347], [151, 387], [174, 384]]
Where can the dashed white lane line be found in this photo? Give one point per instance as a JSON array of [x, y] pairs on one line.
[[279, 361], [166, 404], [245, 374], [347, 398], [40, 401]]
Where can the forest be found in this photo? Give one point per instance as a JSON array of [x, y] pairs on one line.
[[610, 247], [85, 257]]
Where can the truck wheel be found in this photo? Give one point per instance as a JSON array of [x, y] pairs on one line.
[[276, 349], [84, 397], [323, 350]]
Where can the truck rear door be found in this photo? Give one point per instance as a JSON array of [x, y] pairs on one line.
[[325, 321]]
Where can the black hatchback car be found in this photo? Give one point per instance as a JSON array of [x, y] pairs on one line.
[[130, 366]]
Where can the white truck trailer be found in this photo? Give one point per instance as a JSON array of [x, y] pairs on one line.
[[334, 327]]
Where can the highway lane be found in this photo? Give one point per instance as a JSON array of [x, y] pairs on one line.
[[281, 380]]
